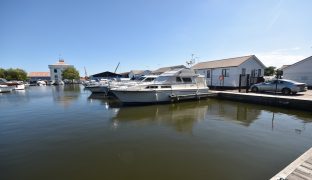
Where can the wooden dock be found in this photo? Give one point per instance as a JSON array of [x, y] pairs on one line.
[[300, 169]]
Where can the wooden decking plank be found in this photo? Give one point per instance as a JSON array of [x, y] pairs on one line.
[[309, 160], [303, 169], [307, 165], [303, 173], [300, 169], [294, 176]]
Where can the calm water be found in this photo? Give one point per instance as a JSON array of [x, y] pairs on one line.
[[65, 133]]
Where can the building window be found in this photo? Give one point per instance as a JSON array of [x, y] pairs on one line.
[[244, 71], [55, 70], [225, 72], [259, 72], [208, 73], [253, 73], [56, 77]]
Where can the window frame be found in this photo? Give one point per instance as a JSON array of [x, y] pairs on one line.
[[225, 73], [243, 71], [208, 73]]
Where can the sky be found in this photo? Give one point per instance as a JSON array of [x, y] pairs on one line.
[[149, 34]]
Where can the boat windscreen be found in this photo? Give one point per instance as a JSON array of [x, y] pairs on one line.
[[163, 79]]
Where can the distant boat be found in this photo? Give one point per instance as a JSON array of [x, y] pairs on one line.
[[41, 83], [96, 87], [57, 82], [15, 85], [105, 86], [180, 84], [5, 89]]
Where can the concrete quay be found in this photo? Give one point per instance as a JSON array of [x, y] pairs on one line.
[[301, 101]]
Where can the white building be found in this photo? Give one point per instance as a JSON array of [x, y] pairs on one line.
[[57, 69], [138, 73], [226, 72], [300, 71]]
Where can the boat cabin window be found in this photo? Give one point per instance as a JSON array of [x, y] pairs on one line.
[[178, 79], [187, 79], [151, 87], [141, 78], [165, 86], [149, 79], [162, 79]]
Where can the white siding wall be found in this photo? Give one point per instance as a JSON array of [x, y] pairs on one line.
[[250, 65], [234, 72], [230, 81], [301, 72]]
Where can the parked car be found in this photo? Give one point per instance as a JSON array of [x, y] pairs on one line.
[[282, 85]]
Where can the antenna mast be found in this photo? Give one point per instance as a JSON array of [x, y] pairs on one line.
[[117, 67], [86, 75], [191, 61]]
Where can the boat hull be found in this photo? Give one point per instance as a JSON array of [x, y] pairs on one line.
[[157, 96], [98, 89], [5, 89], [19, 87]]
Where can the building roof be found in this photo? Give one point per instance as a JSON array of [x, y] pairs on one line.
[[39, 74], [137, 71], [106, 74], [61, 62], [306, 59], [284, 66], [124, 73], [230, 62], [164, 69]]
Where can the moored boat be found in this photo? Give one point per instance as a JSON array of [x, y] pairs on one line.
[[15, 85], [175, 85], [5, 89], [105, 86]]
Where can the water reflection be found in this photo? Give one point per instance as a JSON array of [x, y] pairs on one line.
[[37, 133], [108, 102], [181, 116], [66, 94], [243, 113]]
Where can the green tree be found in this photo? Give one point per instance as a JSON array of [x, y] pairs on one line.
[[70, 73], [2, 73], [15, 74], [269, 71]]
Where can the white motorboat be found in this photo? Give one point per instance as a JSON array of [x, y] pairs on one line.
[[41, 83], [114, 83], [15, 85], [96, 87], [5, 89], [180, 84], [19, 87], [143, 80]]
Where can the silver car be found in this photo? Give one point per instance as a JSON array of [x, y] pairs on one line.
[[282, 85]]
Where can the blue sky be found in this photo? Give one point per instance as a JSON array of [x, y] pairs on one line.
[[147, 34]]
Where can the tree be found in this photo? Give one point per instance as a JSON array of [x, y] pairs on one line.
[[70, 73], [14, 74], [2, 73], [269, 71]]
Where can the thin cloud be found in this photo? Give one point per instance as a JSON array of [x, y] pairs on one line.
[[276, 16], [280, 57]]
